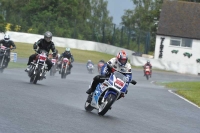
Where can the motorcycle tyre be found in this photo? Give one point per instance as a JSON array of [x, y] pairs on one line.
[[147, 76], [36, 77], [110, 100]]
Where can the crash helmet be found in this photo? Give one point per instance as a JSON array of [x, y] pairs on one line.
[[67, 50], [6, 37], [122, 58], [48, 36]]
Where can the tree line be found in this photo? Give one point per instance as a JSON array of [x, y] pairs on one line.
[[82, 19]]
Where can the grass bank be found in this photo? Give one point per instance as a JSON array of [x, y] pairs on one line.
[[189, 90], [24, 50], [16, 65]]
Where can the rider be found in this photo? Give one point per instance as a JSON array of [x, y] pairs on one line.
[[56, 57], [148, 64], [119, 63], [43, 44], [66, 54], [102, 61], [9, 44], [89, 62]]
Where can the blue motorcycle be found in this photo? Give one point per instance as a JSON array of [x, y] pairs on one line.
[[108, 92]]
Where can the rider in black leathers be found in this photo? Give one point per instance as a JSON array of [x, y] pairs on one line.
[[43, 44], [9, 44], [66, 54]]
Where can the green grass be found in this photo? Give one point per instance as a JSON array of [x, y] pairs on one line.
[[189, 90], [24, 50], [16, 65]]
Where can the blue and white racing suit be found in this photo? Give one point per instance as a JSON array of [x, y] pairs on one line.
[[125, 70]]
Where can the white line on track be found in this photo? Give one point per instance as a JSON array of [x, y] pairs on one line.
[[184, 99]]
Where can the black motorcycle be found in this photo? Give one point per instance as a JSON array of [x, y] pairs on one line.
[[3, 57]]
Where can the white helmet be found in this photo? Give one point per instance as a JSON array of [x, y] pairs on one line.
[[67, 49], [7, 37]]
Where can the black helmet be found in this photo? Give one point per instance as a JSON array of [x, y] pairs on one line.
[[48, 36]]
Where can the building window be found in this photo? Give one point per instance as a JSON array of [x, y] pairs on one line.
[[186, 43], [175, 41], [182, 42]]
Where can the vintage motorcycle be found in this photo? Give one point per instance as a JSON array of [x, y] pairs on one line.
[[107, 93], [54, 66], [38, 67], [147, 71], [64, 68], [90, 68], [3, 54]]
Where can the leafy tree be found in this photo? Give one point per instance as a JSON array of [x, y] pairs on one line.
[[142, 19]]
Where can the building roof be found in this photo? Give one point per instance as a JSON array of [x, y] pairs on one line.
[[180, 19]]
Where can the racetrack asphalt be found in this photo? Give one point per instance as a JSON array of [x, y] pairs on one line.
[[56, 105]]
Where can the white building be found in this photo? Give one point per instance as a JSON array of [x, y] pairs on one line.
[[179, 25]]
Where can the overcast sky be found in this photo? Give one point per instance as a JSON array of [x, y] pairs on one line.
[[117, 7]]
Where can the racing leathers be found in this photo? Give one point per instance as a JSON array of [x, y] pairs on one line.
[[9, 44], [40, 45], [108, 68]]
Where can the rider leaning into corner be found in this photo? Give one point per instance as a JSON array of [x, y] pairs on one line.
[[119, 63], [9, 44], [66, 54], [43, 44]]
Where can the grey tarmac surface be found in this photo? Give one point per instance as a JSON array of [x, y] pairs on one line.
[[56, 105]]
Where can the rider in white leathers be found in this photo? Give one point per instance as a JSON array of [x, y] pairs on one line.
[[118, 63]]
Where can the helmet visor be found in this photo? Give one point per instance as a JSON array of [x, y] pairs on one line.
[[48, 39], [6, 38], [123, 61]]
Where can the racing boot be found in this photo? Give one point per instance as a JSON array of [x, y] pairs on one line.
[[89, 91], [28, 68]]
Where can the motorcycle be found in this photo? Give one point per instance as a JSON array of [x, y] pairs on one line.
[[90, 68], [100, 64], [38, 68], [64, 68], [53, 68], [3, 54], [107, 93], [147, 71]]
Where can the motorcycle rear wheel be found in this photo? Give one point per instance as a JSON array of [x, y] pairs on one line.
[[147, 76], [104, 107]]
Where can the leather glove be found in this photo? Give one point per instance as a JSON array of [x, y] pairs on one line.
[[54, 54]]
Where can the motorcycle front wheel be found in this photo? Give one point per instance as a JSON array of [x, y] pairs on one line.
[[105, 106]]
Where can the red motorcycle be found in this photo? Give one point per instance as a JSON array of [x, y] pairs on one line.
[[54, 66], [38, 68], [147, 71], [64, 68]]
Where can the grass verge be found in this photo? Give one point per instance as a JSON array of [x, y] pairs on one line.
[[189, 90], [24, 50], [16, 65]]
